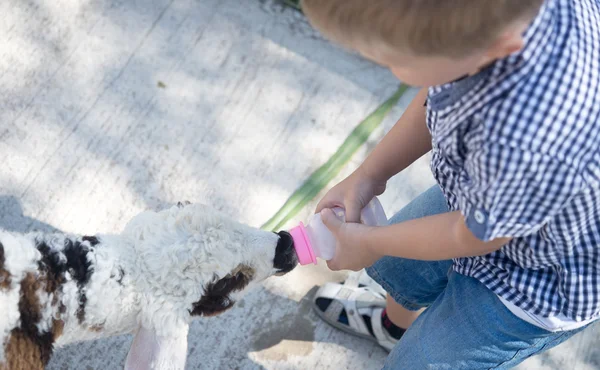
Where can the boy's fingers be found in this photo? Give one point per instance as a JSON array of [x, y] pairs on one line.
[[320, 207], [333, 265], [352, 213], [325, 203], [330, 220]]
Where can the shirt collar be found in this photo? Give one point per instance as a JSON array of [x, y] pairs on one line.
[[537, 37]]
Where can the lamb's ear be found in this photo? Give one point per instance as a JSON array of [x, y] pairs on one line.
[[150, 351], [216, 295]]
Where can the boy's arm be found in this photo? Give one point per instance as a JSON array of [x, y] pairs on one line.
[[406, 142], [434, 238], [431, 238]]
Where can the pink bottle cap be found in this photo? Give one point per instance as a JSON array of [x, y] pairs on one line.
[[302, 245]]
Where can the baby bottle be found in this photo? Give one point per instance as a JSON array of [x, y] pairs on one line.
[[315, 240]]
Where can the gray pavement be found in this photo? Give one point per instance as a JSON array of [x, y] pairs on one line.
[[111, 107]]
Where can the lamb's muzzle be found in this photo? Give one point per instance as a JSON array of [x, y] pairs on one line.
[[285, 255]]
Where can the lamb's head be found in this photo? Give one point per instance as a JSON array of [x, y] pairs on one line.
[[201, 261]]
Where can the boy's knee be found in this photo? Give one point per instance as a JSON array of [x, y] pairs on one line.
[[412, 284]]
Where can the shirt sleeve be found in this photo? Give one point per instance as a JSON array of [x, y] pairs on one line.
[[509, 192]]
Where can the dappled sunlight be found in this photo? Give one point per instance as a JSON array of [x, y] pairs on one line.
[[111, 108], [98, 195], [131, 83], [114, 107]]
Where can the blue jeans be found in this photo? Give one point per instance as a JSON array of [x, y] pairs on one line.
[[465, 325]]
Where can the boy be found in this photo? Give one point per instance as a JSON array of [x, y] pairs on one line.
[[504, 252]]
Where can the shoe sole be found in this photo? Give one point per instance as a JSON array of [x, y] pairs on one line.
[[345, 328]]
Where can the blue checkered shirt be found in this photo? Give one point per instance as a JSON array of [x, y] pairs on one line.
[[516, 148]]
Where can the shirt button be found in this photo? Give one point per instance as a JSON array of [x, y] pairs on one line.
[[479, 217]]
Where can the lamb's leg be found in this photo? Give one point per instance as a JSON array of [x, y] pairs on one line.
[[150, 351], [23, 353]]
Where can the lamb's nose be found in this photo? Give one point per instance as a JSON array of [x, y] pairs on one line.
[[285, 255]]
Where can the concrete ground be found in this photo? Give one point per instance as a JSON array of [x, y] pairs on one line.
[[110, 107]]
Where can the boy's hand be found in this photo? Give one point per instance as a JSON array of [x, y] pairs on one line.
[[352, 194], [350, 251]]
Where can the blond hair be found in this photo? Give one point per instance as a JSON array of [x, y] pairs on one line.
[[423, 27]]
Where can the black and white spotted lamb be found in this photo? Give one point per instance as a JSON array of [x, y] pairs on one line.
[[165, 269]]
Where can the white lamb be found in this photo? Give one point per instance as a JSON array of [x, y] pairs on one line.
[[165, 269]]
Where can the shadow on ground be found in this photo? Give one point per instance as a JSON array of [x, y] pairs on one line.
[[115, 106], [13, 219], [288, 332]]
